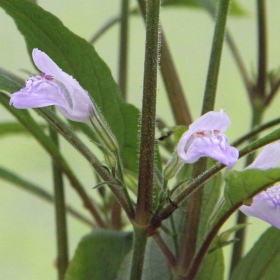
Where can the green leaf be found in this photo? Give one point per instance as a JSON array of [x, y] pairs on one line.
[[262, 261], [78, 58], [235, 10], [223, 238], [243, 185], [8, 85], [99, 255], [212, 267]]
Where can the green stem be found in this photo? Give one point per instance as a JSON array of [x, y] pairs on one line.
[[188, 246], [60, 214], [72, 138], [171, 80], [211, 9], [258, 109], [262, 49], [107, 138], [215, 57], [175, 93], [146, 162], [250, 135], [272, 93], [123, 51], [139, 245]]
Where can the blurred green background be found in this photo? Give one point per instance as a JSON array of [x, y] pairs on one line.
[[27, 242]]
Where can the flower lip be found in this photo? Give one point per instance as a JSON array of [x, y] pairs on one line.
[[205, 138], [265, 206], [268, 158], [54, 87]]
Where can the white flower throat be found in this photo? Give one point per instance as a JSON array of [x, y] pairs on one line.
[[202, 134]]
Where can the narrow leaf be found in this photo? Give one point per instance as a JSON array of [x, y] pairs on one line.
[[262, 262]]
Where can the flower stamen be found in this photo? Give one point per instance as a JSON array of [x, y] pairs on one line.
[[47, 77]]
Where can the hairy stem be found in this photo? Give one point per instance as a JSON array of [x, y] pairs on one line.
[[171, 80], [147, 142], [146, 162], [72, 138], [139, 245]]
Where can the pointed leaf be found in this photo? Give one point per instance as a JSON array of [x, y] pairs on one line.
[[243, 185], [262, 262], [99, 255], [78, 58], [212, 267]]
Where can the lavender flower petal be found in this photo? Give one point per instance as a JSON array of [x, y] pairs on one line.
[[215, 147], [38, 93], [265, 206], [205, 138], [54, 87], [268, 158]]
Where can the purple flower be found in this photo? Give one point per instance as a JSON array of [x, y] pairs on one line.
[[205, 138], [54, 87], [266, 205]]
